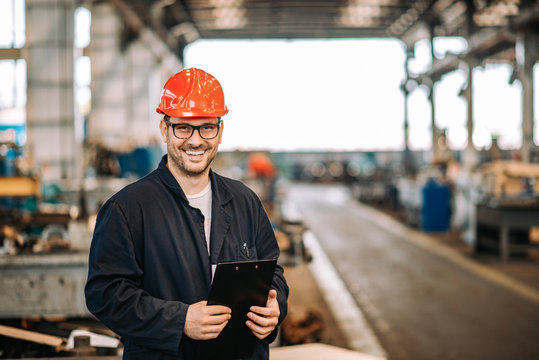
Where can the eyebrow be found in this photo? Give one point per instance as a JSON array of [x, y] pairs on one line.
[[183, 123]]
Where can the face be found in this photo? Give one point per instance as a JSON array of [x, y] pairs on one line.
[[190, 157]]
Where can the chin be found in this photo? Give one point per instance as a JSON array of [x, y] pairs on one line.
[[195, 171]]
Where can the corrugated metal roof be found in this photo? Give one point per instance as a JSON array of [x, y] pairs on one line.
[[184, 21]]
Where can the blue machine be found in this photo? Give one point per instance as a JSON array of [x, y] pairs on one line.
[[436, 208], [140, 161]]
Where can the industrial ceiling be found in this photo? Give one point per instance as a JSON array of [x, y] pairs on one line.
[[180, 22]]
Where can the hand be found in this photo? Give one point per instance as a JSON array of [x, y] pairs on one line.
[[263, 320], [204, 322]]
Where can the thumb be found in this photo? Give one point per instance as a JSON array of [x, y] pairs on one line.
[[272, 296]]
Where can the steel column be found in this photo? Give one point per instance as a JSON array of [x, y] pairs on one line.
[[51, 103], [526, 50], [108, 118]]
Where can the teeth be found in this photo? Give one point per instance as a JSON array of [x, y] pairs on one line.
[[200, 152]]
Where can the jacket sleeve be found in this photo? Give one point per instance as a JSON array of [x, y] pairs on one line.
[[114, 291], [267, 248]]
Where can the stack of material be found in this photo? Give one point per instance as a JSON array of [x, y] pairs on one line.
[[510, 178]]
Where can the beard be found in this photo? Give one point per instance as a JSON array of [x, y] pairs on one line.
[[180, 161]]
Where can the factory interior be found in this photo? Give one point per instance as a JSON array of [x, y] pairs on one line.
[[401, 253]]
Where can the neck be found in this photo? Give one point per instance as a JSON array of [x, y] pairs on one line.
[[190, 184]]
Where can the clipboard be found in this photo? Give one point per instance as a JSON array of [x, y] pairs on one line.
[[238, 285]]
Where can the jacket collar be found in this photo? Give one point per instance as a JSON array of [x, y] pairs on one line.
[[221, 195], [168, 179]]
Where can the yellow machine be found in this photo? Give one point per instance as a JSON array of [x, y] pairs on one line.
[[18, 186]]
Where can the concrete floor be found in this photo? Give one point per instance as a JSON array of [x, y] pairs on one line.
[[422, 298]]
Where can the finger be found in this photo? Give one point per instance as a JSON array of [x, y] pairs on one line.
[[208, 336], [216, 319], [263, 321], [213, 329], [266, 311], [259, 331], [218, 309]]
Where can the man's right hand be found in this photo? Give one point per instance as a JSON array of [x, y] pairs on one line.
[[205, 322]]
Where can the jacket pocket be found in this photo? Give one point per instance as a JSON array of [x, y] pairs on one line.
[[246, 253]]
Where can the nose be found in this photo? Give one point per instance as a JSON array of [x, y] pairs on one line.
[[195, 139]]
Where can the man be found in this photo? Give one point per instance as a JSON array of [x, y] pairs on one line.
[[158, 240]]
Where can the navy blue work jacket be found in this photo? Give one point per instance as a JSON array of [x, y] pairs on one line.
[[149, 260]]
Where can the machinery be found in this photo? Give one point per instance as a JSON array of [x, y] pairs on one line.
[[42, 268], [509, 208]]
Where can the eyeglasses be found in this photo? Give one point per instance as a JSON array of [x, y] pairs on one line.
[[185, 131]]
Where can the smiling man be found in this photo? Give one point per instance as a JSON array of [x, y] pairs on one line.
[[157, 241]]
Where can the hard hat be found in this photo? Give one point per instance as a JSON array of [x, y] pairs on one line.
[[192, 93], [259, 164]]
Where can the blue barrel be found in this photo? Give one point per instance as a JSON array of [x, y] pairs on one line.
[[436, 208]]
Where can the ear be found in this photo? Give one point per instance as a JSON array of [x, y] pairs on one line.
[[221, 131], [163, 129]]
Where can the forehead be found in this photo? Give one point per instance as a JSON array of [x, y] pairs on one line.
[[195, 120]]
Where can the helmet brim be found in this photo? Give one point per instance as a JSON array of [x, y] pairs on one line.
[[185, 113]]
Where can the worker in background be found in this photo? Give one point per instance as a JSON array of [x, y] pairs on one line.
[[157, 241], [260, 169], [259, 165]]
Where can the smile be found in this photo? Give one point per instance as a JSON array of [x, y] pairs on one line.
[[195, 153]]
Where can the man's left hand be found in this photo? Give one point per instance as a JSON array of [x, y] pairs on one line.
[[263, 320]]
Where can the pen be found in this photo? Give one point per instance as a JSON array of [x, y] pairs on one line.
[[246, 249]]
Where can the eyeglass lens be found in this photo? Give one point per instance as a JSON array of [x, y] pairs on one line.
[[206, 131]]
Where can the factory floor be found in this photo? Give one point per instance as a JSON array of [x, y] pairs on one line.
[[418, 296]]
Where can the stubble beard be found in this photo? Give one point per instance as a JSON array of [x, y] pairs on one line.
[[177, 160]]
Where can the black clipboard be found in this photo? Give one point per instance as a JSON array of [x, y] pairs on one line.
[[238, 285]]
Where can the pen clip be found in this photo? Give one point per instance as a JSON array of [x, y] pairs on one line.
[[246, 250]]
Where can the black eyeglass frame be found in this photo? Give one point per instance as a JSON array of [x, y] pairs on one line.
[[193, 128]]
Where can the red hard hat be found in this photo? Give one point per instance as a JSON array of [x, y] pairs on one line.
[[192, 93]]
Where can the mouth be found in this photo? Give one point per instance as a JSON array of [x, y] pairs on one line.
[[194, 153]]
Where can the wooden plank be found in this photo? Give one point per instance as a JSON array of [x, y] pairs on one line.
[[10, 54], [32, 336]]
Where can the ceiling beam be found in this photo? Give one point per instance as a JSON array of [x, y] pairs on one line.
[[138, 24]]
